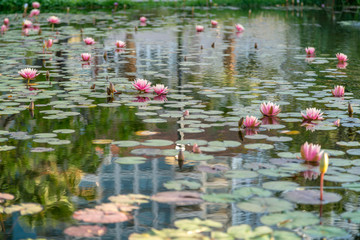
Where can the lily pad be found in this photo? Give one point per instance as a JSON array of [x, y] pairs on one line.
[[130, 160], [290, 220], [280, 185], [157, 143], [261, 146], [182, 185], [197, 225], [311, 197], [325, 232], [240, 174], [180, 198], [263, 205]]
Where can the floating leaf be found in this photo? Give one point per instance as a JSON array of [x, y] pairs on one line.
[[311, 197], [245, 232], [262, 205], [85, 231], [182, 185], [259, 146], [98, 216], [179, 198], [157, 143], [285, 235], [240, 174], [126, 143], [354, 217], [290, 220], [248, 192], [197, 225], [280, 185], [130, 160], [326, 232]]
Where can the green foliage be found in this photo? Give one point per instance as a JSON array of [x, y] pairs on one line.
[[17, 5]]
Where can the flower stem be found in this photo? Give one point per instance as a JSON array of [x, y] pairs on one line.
[[321, 186]]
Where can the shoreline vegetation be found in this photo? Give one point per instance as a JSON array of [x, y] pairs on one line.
[[17, 5]]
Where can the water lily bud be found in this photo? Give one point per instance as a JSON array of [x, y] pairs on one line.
[[112, 88], [196, 148], [47, 75], [241, 122], [31, 106], [350, 110], [324, 163]]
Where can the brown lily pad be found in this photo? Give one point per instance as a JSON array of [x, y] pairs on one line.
[[180, 198], [85, 231], [99, 216]]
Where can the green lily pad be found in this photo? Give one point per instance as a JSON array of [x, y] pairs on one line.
[[325, 232], [285, 235], [130, 160], [182, 185], [245, 232], [280, 185], [247, 192], [197, 225], [157, 143], [219, 197], [262, 146], [6, 148], [126, 143], [65, 131], [240, 174], [354, 217], [290, 220], [263, 205], [224, 144]]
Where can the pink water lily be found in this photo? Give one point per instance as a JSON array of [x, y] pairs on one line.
[[3, 29], [89, 41], [6, 21], [311, 152], [120, 44], [34, 12], [341, 57], [27, 24], [312, 114], [199, 28], [214, 23], [196, 148], [28, 73], [337, 122], [36, 5], [53, 20], [269, 109], [85, 57], [239, 27], [251, 122], [143, 19], [338, 91], [142, 85], [48, 43], [160, 89], [310, 51]]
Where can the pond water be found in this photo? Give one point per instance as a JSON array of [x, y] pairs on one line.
[[69, 152]]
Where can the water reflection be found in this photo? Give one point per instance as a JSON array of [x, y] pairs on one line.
[[83, 174]]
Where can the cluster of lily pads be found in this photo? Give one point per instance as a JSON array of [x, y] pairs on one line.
[[183, 109]]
